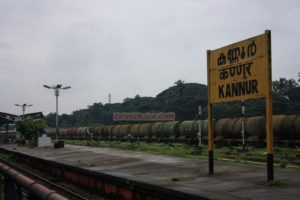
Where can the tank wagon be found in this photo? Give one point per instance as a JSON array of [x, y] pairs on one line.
[[286, 130]]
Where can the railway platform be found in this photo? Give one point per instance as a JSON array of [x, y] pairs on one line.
[[186, 176]]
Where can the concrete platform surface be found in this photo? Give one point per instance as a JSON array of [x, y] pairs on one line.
[[230, 181]]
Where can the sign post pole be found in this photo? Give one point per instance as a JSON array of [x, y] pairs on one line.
[[269, 127], [209, 121], [210, 142]]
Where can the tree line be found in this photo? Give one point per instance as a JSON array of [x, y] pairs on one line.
[[184, 99]]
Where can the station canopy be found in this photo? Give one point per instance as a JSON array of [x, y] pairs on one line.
[[6, 118]]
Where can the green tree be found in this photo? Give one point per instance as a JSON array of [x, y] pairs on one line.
[[284, 87], [31, 129], [180, 86], [184, 99], [286, 96]]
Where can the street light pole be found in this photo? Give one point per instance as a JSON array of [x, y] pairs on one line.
[[56, 89], [24, 105], [56, 115]]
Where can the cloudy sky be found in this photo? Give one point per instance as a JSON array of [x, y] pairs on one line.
[[128, 47]]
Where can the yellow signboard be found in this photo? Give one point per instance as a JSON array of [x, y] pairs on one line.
[[239, 71]]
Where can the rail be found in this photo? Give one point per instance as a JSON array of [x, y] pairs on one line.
[[35, 176], [16, 186], [105, 185]]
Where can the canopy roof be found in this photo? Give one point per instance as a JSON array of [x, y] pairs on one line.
[[6, 118]]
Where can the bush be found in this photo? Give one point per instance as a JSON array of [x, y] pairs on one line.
[[31, 129]]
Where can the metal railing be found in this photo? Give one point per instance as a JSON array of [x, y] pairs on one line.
[[16, 186]]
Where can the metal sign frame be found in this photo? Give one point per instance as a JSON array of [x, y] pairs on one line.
[[228, 72]]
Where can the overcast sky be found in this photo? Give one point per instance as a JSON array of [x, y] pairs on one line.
[[128, 47]]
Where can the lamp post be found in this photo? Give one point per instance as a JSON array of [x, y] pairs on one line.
[[24, 105], [56, 89]]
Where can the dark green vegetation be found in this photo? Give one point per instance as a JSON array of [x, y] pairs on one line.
[[6, 157], [31, 129], [276, 183], [184, 99], [283, 156], [180, 150]]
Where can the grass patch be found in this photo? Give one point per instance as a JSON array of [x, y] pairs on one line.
[[276, 183], [175, 179], [92, 165], [283, 163], [180, 150], [6, 157], [281, 154]]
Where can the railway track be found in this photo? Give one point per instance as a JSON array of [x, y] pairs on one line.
[[62, 188], [100, 184]]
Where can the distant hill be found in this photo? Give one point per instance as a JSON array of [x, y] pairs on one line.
[[184, 99]]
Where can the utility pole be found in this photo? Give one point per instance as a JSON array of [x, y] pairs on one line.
[[56, 89], [243, 123], [200, 131], [109, 98]]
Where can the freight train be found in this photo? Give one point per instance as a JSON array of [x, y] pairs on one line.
[[227, 131]]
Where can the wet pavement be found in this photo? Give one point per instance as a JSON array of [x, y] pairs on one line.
[[230, 181]]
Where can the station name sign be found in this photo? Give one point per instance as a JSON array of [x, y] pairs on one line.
[[239, 71]]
